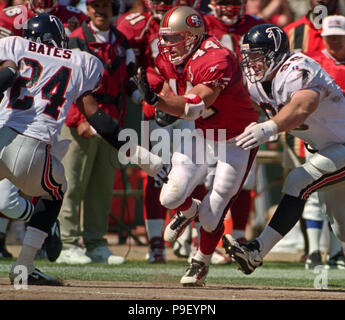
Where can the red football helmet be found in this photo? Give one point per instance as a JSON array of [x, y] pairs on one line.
[[229, 11], [43, 6]]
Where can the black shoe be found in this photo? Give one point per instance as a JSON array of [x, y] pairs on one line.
[[337, 261], [38, 278], [313, 260], [53, 243], [246, 255], [3, 251]]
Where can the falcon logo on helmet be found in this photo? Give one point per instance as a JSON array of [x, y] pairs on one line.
[[276, 34], [194, 21]]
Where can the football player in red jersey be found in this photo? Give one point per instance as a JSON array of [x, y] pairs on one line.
[[141, 30], [70, 16], [211, 92], [228, 22], [13, 18], [305, 33], [331, 59]]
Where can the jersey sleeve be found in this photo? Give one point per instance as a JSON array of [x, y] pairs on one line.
[[132, 26], [305, 75], [214, 70], [92, 76], [7, 48]]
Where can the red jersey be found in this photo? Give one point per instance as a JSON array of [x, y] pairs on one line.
[[213, 65], [71, 17], [141, 31], [304, 36], [335, 69], [111, 93], [230, 36], [12, 20]]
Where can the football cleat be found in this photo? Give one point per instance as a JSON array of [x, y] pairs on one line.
[[39, 278], [246, 255], [336, 262], [313, 260], [219, 257], [177, 225], [182, 248], [156, 251], [195, 274]]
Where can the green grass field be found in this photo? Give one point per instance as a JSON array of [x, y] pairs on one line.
[[277, 274]]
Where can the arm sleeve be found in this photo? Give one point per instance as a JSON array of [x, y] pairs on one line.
[[92, 75], [301, 79], [7, 46], [214, 72]]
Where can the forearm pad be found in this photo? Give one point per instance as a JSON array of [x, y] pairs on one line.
[[7, 77], [106, 127]]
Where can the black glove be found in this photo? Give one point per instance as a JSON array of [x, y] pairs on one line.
[[162, 175], [164, 119], [144, 88]]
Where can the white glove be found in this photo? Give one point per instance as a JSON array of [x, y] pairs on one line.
[[256, 134], [146, 160]]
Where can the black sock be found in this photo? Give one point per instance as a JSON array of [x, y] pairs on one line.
[[45, 214], [288, 213]]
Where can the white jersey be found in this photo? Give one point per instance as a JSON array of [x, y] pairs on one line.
[[326, 125], [49, 80]]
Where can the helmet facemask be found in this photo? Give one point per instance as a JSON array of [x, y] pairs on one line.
[[172, 42], [43, 6], [227, 12], [160, 7], [180, 34], [47, 29], [259, 63]]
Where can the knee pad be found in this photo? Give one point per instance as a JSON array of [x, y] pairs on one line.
[[9, 194], [299, 178], [173, 194], [210, 217], [12, 204]]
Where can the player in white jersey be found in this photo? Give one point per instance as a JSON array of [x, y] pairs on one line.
[[299, 97], [40, 79]]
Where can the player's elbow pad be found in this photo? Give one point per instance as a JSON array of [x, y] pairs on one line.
[[7, 77], [106, 127], [194, 107]]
